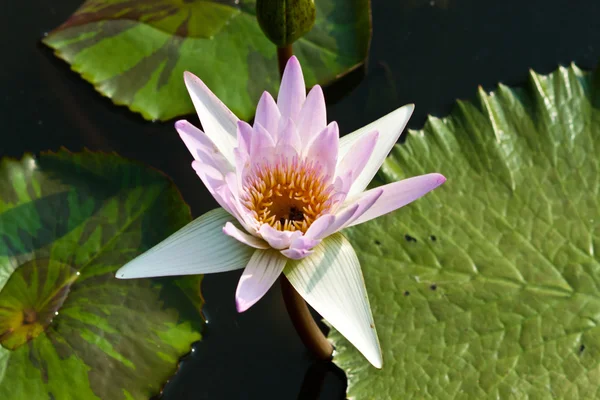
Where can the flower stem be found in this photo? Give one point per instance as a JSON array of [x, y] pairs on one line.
[[305, 325], [283, 55]]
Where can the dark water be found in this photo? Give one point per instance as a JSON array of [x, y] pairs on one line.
[[424, 52]]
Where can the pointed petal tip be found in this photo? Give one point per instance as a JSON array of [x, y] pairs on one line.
[[183, 127], [190, 79], [373, 354], [241, 305], [377, 362], [293, 69], [243, 124], [317, 89], [439, 178], [130, 271], [293, 60], [265, 95], [187, 75], [404, 113]]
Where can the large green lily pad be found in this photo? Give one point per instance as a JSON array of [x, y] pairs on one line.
[[68, 328], [135, 51], [489, 287]]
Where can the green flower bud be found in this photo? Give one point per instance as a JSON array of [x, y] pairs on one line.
[[285, 21]]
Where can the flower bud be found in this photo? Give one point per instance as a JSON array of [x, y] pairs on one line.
[[285, 21]]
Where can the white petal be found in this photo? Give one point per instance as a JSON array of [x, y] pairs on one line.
[[262, 271], [200, 247], [218, 122], [389, 127], [331, 281]]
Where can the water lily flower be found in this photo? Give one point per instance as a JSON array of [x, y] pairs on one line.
[[286, 186]]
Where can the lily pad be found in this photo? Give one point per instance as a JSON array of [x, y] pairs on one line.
[[135, 51], [68, 328], [489, 287]]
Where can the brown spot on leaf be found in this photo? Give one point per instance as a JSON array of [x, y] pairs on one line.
[[409, 238]]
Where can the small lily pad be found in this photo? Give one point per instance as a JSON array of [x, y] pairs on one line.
[[135, 51], [68, 328], [489, 287]]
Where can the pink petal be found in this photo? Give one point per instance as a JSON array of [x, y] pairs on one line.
[[296, 254], [289, 136], [313, 115], [328, 224], [278, 239], [300, 248], [262, 271], [341, 185], [398, 194], [201, 147], [242, 214], [324, 149], [267, 114], [324, 226], [262, 144], [389, 127], [292, 91], [244, 133], [363, 202], [210, 176], [354, 161], [218, 121], [234, 232], [319, 226], [217, 185]]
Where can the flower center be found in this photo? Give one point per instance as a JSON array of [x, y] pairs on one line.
[[289, 196]]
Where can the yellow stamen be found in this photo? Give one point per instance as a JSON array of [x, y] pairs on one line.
[[289, 196]]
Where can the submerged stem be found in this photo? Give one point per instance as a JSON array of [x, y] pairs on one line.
[[305, 325], [283, 55]]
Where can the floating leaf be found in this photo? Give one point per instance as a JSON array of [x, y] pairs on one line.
[[135, 51], [489, 287], [68, 328]]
